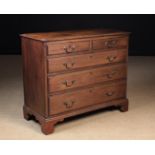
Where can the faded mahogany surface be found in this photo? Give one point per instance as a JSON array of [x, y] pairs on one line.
[[72, 72]]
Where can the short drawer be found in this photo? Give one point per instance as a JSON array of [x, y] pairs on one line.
[[110, 43], [86, 77], [85, 60], [68, 47], [86, 97]]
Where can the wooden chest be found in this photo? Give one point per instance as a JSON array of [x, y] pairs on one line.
[[72, 72]]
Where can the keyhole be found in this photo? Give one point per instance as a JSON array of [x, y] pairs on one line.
[[90, 56], [90, 90], [90, 73]]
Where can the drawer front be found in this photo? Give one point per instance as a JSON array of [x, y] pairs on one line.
[[86, 97], [79, 61], [110, 43], [68, 47], [86, 77]]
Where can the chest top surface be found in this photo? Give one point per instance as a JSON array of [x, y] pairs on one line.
[[73, 34]]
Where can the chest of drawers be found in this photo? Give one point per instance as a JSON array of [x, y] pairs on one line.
[[73, 72]]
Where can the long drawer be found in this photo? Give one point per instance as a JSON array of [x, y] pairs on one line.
[[86, 97], [85, 60], [86, 77]]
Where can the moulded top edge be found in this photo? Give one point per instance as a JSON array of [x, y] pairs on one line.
[[73, 34]]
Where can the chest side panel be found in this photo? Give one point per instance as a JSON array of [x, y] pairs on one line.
[[34, 75]]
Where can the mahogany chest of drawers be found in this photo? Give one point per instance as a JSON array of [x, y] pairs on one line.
[[72, 72]]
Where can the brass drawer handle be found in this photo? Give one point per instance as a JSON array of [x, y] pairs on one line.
[[111, 58], [69, 49], [110, 93], [111, 43], [110, 75], [68, 84], [69, 65], [69, 105]]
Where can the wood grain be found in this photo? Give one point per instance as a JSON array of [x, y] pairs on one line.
[[34, 75], [74, 34], [68, 63], [86, 77], [113, 43], [86, 97], [68, 47], [72, 72]]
